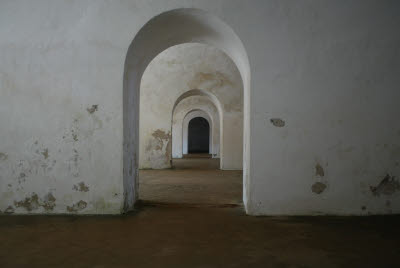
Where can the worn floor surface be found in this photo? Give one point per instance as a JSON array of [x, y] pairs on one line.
[[198, 237], [191, 162], [191, 181], [193, 233]]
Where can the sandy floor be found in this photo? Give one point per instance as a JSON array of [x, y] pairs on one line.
[[198, 237], [195, 163], [192, 181]]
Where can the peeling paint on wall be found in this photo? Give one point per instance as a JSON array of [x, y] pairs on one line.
[[388, 186], [21, 178], [159, 149], [34, 202], [9, 210], [277, 122], [49, 202], [73, 163], [45, 153], [77, 207], [74, 136], [319, 171], [81, 187], [93, 109], [30, 203], [318, 187], [161, 135]]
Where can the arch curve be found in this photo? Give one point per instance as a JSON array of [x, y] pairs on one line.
[[171, 28], [200, 92], [214, 130], [210, 106]]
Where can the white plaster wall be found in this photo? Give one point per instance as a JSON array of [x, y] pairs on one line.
[[178, 70], [187, 109], [329, 69]]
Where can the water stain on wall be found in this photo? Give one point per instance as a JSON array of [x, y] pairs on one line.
[[9, 210], [45, 153], [36, 163], [388, 186], [74, 136], [34, 202], [73, 163], [49, 202], [21, 178], [93, 109], [81, 187], [161, 135], [209, 81], [319, 171], [3, 156], [277, 122], [83, 126], [77, 206], [29, 203], [318, 187], [159, 148], [235, 105]]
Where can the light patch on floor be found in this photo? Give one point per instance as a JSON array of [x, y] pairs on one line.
[[194, 181]]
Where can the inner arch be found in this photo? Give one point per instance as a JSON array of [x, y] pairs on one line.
[[216, 119], [161, 32]]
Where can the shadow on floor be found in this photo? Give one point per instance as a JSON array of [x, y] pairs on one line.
[[198, 237]]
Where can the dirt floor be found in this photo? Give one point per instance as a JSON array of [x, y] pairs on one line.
[[195, 163], [189, 231], [192, 181], [198, 237]]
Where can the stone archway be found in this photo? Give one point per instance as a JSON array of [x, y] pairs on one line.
[[191, 101], [163, 31]]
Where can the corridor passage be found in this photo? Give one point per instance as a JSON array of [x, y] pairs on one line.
[[193, 181]]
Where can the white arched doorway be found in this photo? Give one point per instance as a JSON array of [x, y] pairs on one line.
[[190, 102], [163, 31]]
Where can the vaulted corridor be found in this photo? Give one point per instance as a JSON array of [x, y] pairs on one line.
[[203, 134]]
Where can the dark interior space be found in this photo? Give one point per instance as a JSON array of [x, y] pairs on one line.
[[198, 136]]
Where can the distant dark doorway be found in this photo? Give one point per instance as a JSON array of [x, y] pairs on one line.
[[198, 136]]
